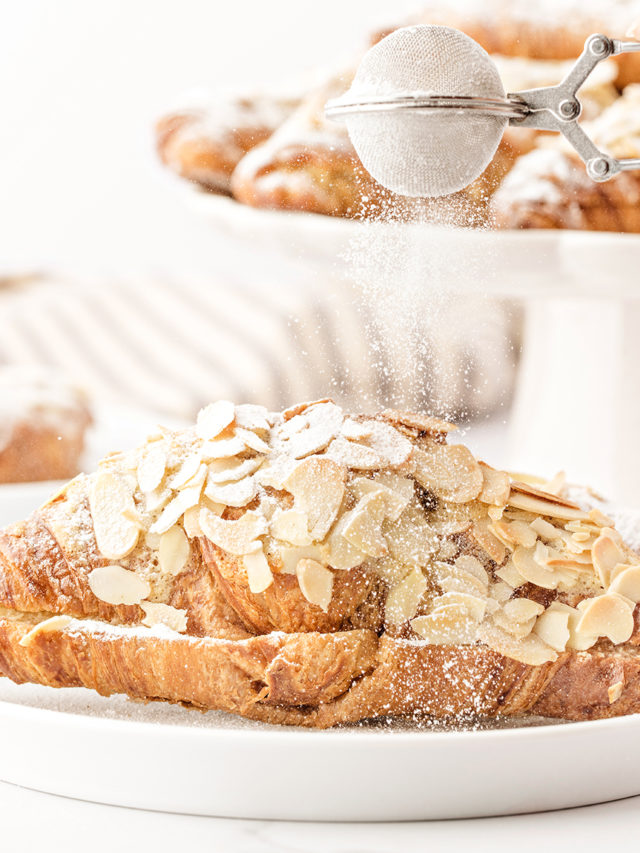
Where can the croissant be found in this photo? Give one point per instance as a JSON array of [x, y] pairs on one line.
[[314, 568]]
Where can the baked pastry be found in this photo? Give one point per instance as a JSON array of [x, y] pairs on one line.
[[549, 187], [313, 568], [205, 143], [43, 422]]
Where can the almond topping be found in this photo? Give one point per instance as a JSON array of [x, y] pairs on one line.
[[543, 506], [292, 526], [607, 554], [510, 575], [522, 609], [186, 472], [552, 626], [109, 500], [151, 467], [448, 625], [214, 418], [173, 551], [615, 692], [54, 623], [608, 615], [317, 486], [470, 564], [355, 431], [291, 557], [363, 525], [359, 457], [496, 486], [116, 585], [312, 430], [395, 501], [474, 606], [236, 494], [530, 650], [627, 583], [338, 552], [411, 539], [489, 543], [316, 582], [170, 515], [417, 421], [450, 471], [251, 417], [530, 569], [164, 614], [231, 470], [404, 598], [222, 448], [236, 537], [259, 573], [253, 441]]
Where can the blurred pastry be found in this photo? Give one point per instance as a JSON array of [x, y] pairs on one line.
[[43, 422], [549, 187], [204, 144]]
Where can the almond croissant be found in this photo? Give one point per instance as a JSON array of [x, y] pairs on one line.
[[314, 568]]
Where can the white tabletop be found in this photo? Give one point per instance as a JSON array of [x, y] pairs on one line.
[[57, 824]]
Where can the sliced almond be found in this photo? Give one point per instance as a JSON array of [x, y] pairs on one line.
[[259, 573], [317, 486], [316, 582], [290, 557], [274, 472], [251, 417], [510, 575], [117, 585], [486, 539], [450, 471], [312, 430], [543, 506], [356, 431], [447, 626], [292, 526], [391, 446], [418, 422], [222, 448], [231, 470], [236, 537], [515, 533], [519, 629], [174, 510], [552, 626], [496, 486], [463, 582], [187, 470], [214, 418], [600, 519], [530, 650], [607, 554], [531, 570], [191, 522], [338, 552], [395, 501], [470, 564], [411, 539], [151, 467], [500, 591], [54, 623], [615, 692], [173, 551], [109, 500], [358, 457], [544, 529], [237, 493], [473, 605], [404, 598], [156, 500], [627, 583], [522, 609], [390, 570], [253, 441], [292, 411], [608, 615], [363, 525], [156, 613]]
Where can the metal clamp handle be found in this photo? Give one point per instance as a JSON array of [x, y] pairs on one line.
[[558, 108]]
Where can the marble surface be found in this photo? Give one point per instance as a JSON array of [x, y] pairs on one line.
[[57, 824]]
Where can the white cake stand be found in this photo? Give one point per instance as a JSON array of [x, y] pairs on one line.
[[577, 402]]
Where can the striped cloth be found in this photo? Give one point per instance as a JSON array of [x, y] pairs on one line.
[[170, 345]]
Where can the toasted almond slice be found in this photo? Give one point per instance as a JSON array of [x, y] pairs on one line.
[[627, 583], [450, 471], [600, 519], [53, 623], [615, 691], [544, 529], [117, 585], [317, 486], [417, 421], [607, 554], [474, 606], [316, 582], [447, 626], [608, 615], [531, 570], [214, 418], [543, 506], [356, 431], [187, 470], [236, 493], [173, 551], [236, 537], [496, 486], [485, 539], [222, 448], [501, 591], [253, 441], [152, 540], [522, 609], [363, 525], [471, 564], [156, 613], [292, 526], [515, 533], [404, 598], [311, 431], [156, 500], [173, 511], [552, 626], [411, 539], [391, 446], [291, 557], [530, 650], [109, 499], [191, 521], [390, 570], [253, 418], [404, 486], [292, 411], [231, 470], [394, 500], [511, 626], [338, 552], [151, 467], [275, 471], [359, 457], [463, 582], [510, 575], [259, 573], [447, 550]]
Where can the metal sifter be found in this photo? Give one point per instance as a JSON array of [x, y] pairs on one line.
[[427, 109]]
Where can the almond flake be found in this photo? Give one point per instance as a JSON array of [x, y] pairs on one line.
[[274, 472], [519, 629], [356, 431], [151, 467], [446, 626], [390, 570], [552, 626], [496, 486], [338, 552], [187, 470], [530, 650], [311, 431], [236, 494], [316, 583], [214, 418], [600, 519], [258, 571], [231, 470], [418, 422], [501, 591], [531, 570], [404, 598], [615, 692], [470, 564], [152, 540], [253, 441], [317, 486], [290, 557], [359, 457], [515, 533], [395, 501], [510, 575], [156, 500], [411, 539], [251, 417], [191, 521], [627, 583], [483, 536], [54, 623], [170, 515], [363, 525], [607, 554], [522, 609], [292, 526], [473, 605], [547, 505], [173, 551], [222, 448], [608, 615], [109, 500], [450, 471], [292, 411], [391, 446], [236, 537], [164, 614], [117, 585]]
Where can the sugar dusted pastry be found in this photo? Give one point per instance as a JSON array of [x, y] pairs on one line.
[[313, 568], [43, 421], [549, 187]]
